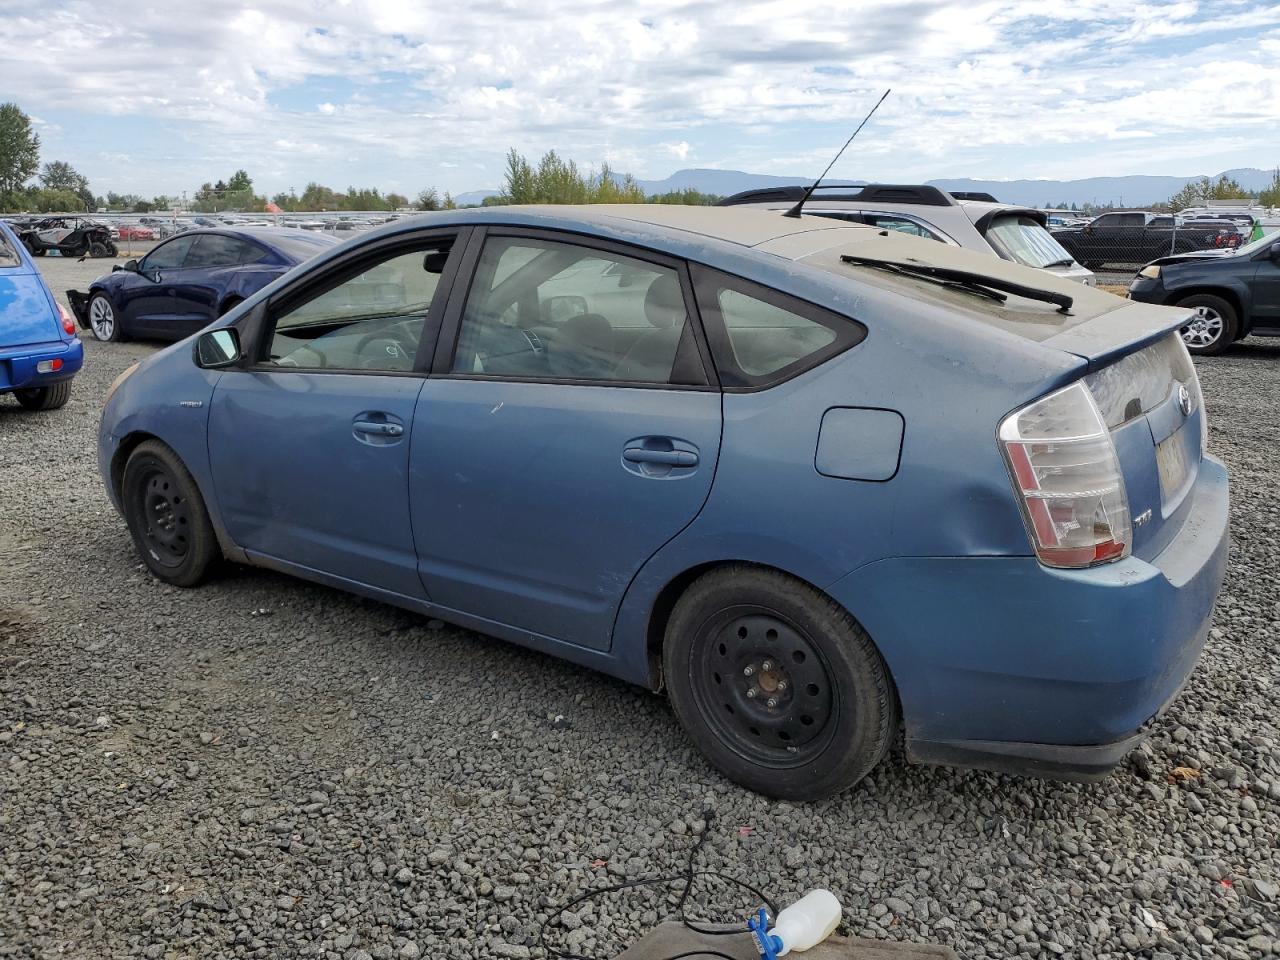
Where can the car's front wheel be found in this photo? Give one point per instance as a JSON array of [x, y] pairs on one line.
[[102, 319], [1214, 326], [776, 684], [167, 516], [98, 250], [45, 398]]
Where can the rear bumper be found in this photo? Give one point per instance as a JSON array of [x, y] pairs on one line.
[[1003, 663], [79, 307], [19, 366]]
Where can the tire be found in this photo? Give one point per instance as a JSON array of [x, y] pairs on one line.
[[103, 321], [167, 516], [45, 398], [98, 250], [112, 249], [834, 712], [1216, 325]]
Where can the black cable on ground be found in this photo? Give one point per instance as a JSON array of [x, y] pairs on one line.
[[690, 876]]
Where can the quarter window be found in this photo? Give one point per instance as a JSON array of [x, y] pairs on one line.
[[761, 337], [215, 250], [371, 321], [542, 309]]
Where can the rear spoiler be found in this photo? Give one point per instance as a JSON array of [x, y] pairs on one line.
[[1117, 333], [80, 307]]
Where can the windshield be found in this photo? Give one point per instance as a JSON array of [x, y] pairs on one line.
[[1249, 249], [1022, 239]]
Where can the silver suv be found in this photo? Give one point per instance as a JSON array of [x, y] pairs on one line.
[[976, 221]]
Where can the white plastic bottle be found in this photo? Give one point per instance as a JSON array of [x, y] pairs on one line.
[[806, 923]]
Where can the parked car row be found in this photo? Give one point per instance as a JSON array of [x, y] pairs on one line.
[[1136, 237]]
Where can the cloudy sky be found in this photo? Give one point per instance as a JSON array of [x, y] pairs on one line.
[[156, 97]]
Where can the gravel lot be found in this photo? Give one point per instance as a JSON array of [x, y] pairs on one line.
[[266, 768]]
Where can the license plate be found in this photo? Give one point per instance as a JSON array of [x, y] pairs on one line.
[[1173, 465]]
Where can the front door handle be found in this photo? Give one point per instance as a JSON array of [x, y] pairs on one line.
[[376, 429], [670, 458]]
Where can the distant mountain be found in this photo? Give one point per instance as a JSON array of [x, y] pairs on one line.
[[724, 182], [1134, 191]]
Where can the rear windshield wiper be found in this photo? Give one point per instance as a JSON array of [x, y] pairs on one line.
[[976, 282]]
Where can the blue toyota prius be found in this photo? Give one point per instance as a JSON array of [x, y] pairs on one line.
[[39, 350], [824, 485]]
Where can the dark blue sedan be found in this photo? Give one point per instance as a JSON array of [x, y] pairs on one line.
[[189, 281]]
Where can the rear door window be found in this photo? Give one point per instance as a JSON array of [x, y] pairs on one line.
[[760, 337], [215, 250], [545, 309]]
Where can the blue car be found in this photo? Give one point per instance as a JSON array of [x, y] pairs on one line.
[[824, 485], [39, 349], [188, 281]]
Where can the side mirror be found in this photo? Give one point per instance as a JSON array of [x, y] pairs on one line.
[[560, 309], [1274, 250], [216, 349], [130, 265]]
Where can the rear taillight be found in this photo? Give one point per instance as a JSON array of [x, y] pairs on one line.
[[1067, 475], [68, 324]]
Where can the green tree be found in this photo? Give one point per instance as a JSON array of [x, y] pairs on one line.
[[1270, 194], [428, 199], [60, 175], [449, 203], [19, 148], [53, 201], [240, 180], [688, 197], [556, 180], [396, 200]]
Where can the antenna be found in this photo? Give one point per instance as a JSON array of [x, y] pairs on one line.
[[795, 211]]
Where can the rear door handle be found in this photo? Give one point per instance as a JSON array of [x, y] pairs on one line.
[[374, 428], [671, 458]]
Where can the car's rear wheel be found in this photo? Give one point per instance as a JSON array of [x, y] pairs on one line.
[[45, 398], [167, 516], [33, 247], [776, 684], [1214, 327], [102, 319]]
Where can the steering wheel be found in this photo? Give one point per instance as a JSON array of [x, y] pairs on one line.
[[397, 336], [289, 361]]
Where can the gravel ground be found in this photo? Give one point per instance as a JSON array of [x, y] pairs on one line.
[[266, 768]]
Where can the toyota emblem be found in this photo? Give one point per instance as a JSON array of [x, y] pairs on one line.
[[1184, 400]]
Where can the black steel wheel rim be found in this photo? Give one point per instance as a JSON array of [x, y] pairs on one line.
[[764, 686], [165, 518]]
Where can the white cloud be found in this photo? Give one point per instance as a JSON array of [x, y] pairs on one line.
[[367, 91]]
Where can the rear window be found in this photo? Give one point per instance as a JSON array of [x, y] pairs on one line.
[[1141, 381], [304, 246], [8, 255], [1024, 240]]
